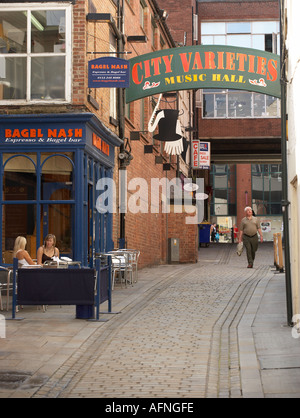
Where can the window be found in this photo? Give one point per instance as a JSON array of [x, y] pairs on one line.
[[258, 35], [35, 53], [142, 13], [223, 181], [20, 210], [236, 104], [267, 189]]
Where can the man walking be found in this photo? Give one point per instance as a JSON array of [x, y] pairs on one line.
[[248, 233]]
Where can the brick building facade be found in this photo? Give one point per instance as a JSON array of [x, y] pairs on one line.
[[78, 32], [234, 141]]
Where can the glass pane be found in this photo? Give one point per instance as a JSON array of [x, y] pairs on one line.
[[264, 27], [220, 105], [12, 78], [220, 209], [207, 40], [220, 40], [19, 180], [13, 32], [239, 105], [57, 179], [221, 181], [258, 42], [220, 168], [218, 28], [272, 106], [269, 43], [48, 31], [48, 78], [18, 220], [239, 27], [59, 221], [220, 196], [239, 40], [208, 105], [259, 105]]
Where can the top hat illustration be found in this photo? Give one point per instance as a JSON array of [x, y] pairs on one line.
[[167, 123]]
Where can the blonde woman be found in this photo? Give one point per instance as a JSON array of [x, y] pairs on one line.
[[21, 254], [48, 251]]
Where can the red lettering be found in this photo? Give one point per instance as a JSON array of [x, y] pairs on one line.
[[168, 61], [61, 133], [210, 61], [156, 63], [147, 69], [16, 133], [220, 60], [78, 133], [197, 62], [135, 73], [261, 65], [272, 68], [25, 133], [251, 63], [230, 61], [52, 133], [242, 58], [186, 62]]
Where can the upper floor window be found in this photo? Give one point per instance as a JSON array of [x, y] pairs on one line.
[[240, 104], [35, 53], [258, 35]]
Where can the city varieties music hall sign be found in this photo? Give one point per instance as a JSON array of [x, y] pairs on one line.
[[202, 67]]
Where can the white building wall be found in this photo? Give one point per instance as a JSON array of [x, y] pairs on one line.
[[293, 158]]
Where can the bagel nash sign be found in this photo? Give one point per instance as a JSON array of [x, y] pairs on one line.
[[204, 67]]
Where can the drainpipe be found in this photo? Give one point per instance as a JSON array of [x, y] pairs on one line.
[[121, 110], [285, 202]]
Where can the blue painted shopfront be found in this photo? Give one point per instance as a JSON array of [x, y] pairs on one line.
[[50, 166]]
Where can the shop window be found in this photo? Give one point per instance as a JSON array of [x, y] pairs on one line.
[[19, 180], [57, 177], [18, 220], [44, 50]]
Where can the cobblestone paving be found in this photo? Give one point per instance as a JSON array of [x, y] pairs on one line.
[[179, 339]]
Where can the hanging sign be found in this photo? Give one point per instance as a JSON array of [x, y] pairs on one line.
[[204, 66], [108, 72], [204, 155], [195, 153], [200, 154]]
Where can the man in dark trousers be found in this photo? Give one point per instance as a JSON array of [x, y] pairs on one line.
[[248, 233]]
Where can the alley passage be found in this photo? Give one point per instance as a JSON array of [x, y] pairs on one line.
[[176, 335]]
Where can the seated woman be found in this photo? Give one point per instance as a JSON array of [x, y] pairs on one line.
[[21, 254], [48, 251]]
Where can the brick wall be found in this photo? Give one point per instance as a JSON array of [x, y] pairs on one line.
[[241, 10]]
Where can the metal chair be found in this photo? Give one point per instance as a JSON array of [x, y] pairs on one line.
[[133, 260], [5, 284], [122, 266]]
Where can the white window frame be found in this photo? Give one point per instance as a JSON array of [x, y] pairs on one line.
[[68, 54]]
